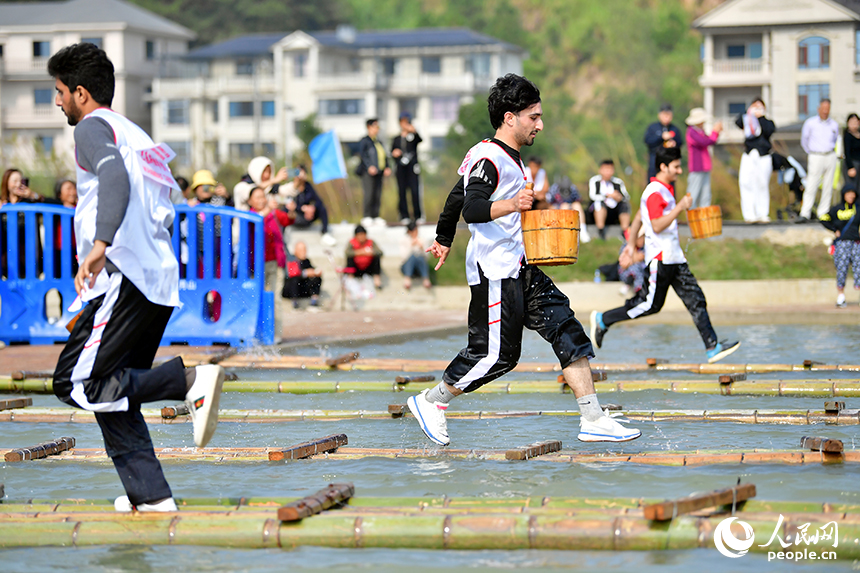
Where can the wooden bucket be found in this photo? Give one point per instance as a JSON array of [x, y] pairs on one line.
[[705, 222], [551, 236]]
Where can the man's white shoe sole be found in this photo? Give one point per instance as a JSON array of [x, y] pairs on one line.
[[724, 353], [589, 437], [211, 377]]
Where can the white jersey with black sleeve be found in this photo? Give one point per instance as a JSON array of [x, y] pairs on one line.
[[495, 173]]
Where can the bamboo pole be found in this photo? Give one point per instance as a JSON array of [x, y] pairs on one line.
[[345, 529], [784, 388], [683, 459], [170, 415]]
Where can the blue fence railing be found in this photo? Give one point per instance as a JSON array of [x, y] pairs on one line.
[[222, 274]]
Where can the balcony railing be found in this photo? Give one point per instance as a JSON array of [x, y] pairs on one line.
[[36, 116], [24, 65], [736, 66]]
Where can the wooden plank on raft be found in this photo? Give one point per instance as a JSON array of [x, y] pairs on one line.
[[825, 445], [612, 407], [534, 450], [334, 494], [32, 374], [40, 451], [729, 378], [11, 403], [397, 410], [811, 363], [171, 412], [833, 407], [308, 449], [673, 508], [408, 379], [652, 362], [342, 359]]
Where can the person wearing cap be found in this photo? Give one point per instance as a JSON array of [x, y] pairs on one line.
[[404, 150], [842, 219], [661, 133], [209, 191], [699, 156]]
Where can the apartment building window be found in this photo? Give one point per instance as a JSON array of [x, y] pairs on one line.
[[241, 108], [389, 66], [213, 106], [268, 149], [45, 143], [478, 64], [431, 65], [300, 62], [178, 112], [268, 109], [150, 50], [96, 41], [736, 51], [444, 108], [43, 96], [341, 107], [183, 153], [737, 108], [755, 50], [244, 68], [409, 105], [808, 98], [813, 53], [41, 49], [241, 150]]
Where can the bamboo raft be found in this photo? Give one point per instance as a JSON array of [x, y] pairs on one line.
[[784, 388], [422, 523], [694, 458], [736, 416]]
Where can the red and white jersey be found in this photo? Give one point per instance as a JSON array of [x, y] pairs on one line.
[[658, 200], [497, 245]]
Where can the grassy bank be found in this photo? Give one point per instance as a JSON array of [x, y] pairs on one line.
[[727, 259]]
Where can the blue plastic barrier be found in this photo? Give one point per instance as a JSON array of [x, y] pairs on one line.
[[210, 264], [31, 269], [221, 286]]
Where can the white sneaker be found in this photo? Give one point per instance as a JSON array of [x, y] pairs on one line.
[[380, 222], [123, 505], [840, 301], [404, 221], [431, 417], [367, 222], [605, 429], [584, 237], [328, 240], [420, 221], [202, 401]]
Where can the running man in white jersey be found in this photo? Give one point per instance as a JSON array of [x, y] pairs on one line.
[[129, 281], [507, 292], [667, 265]]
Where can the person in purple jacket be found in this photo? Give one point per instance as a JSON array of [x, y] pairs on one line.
[[699, 156]]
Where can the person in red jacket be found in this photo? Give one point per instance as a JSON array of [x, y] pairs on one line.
[[363, 255], [274, 221]]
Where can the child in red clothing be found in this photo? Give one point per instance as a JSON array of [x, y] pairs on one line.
[[363, 255]]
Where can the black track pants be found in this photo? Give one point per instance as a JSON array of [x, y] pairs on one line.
[[497, 314], [652, 296]]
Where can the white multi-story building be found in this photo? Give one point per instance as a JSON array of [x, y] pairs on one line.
[[791, 53], [249, 95], [135, 40]]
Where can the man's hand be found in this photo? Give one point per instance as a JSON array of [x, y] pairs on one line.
[[524, 200], [440, 252], [617, 196], [666, 135], [308, 211], [91, 267], [281, 176], [396, 152], [372, 170], [387, 172], [625, 259], [852, 172], [686, 202]]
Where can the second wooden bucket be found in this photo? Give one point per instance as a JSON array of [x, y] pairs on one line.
[[705, 222], [551, 236]]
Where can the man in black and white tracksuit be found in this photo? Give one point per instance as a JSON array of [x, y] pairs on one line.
[[128, 279], [667, 265], [508, 293]]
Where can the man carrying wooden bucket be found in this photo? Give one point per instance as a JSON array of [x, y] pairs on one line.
[[507, 292], [128, 279], [667, 265]]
